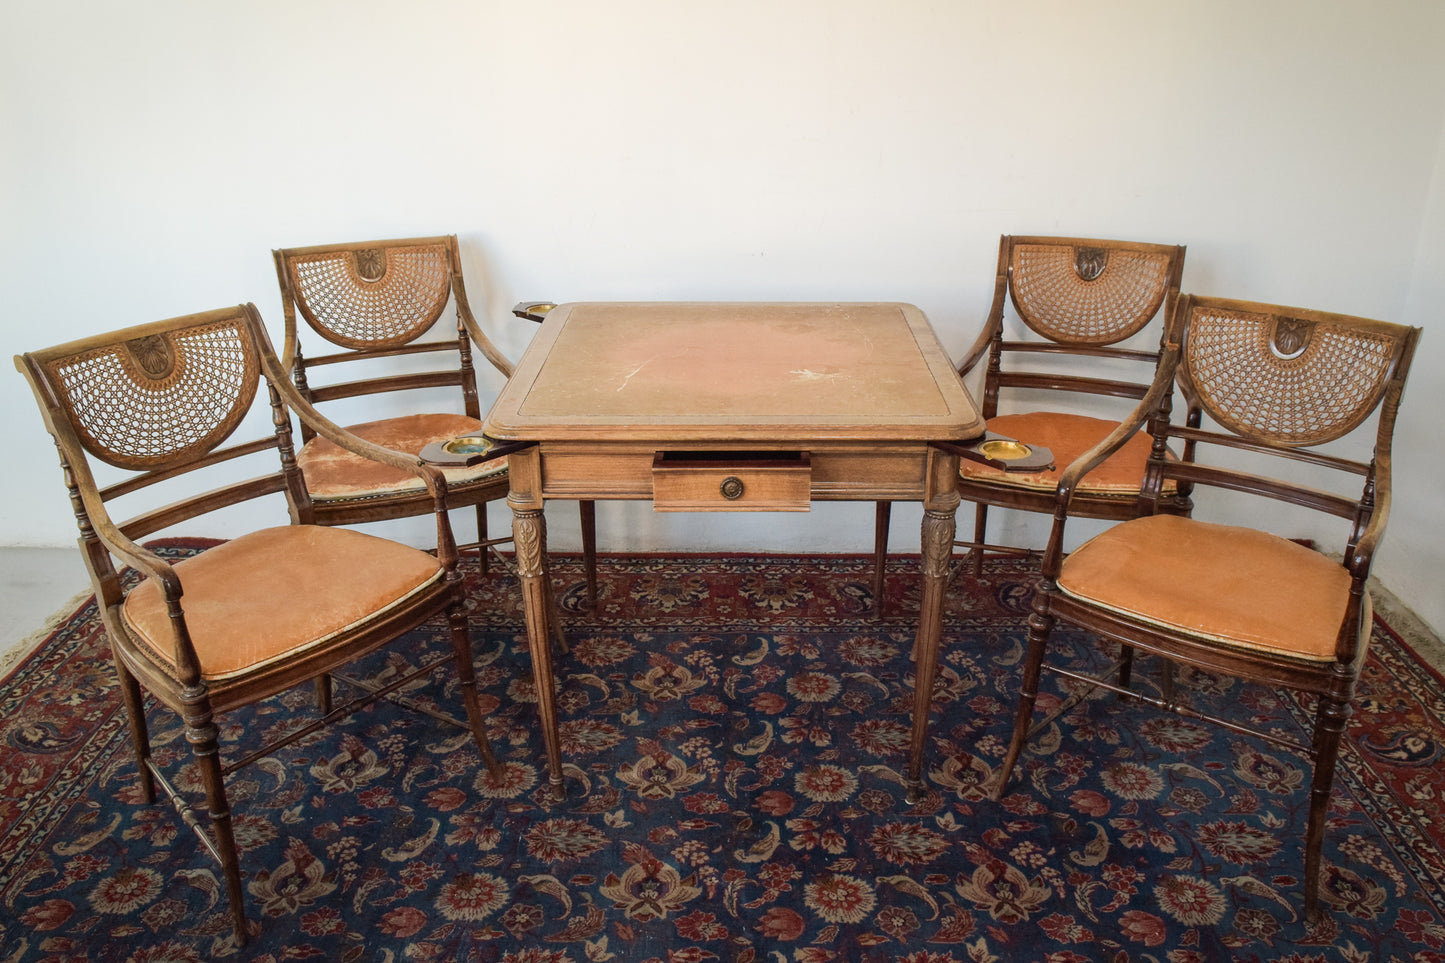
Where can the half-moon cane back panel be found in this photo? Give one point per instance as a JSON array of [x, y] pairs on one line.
[[169, 395], [372, 297], [1087, 295], [1282, 379]]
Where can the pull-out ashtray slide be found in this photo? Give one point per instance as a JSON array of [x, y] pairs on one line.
[[533, 310], [1007, 454], [467, 450]]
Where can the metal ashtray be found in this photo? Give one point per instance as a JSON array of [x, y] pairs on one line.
[[1005, 450], [469, 445], [463, 451], [1008, 454], [533, 310]]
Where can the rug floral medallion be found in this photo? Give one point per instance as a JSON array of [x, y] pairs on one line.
[[735, 734]]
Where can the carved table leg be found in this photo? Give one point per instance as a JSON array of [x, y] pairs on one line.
[[529, 531], [940, 504]]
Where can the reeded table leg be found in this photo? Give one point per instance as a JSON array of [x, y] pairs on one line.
[[529, 531], [940, 505]]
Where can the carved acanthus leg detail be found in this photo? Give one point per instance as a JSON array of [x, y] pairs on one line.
[[529, 533], [529, 529], [939, 523]]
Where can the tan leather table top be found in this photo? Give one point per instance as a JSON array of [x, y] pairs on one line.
[[685, 371]]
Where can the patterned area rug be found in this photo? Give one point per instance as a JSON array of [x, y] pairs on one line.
[[735, 730]]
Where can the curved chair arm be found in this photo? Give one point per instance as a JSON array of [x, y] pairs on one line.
[[82, 485], [1363, 555], [991, 328], [1089, 460], [123, 547], [474, 331], [431, 476]]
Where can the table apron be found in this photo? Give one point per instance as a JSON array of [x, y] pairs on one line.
[[896, 471]]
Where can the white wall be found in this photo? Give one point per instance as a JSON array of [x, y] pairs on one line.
[[849, 149], [1413, 563]]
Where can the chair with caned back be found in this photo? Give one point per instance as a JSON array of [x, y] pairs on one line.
[[376, 301], [148, 415], [1078, 301], [1263, 386]]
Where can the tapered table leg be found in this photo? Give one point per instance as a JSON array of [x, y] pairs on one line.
[[529, 531], [940, 505]]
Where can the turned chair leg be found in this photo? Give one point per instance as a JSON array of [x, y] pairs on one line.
[[980, 531], [486, 561], [1040, 625], [1330, 720], [588, 512], [322, 683], [201, 733], [139, 736], [882, 515], [466, 674]]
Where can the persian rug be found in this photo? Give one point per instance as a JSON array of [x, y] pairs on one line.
[[735, 732]]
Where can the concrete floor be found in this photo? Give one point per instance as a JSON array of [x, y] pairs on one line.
[[42, 585]]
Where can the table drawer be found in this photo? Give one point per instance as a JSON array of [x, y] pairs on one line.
[[731, 481]]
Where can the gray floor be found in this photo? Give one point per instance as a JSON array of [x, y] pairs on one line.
[[41, 585], [37, 585]]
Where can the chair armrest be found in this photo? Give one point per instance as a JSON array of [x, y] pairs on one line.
[[1064, 493], [478, 336], [431, 476], [991, 327], [1362, 557]]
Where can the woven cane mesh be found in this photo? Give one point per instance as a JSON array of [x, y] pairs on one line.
[[140, 404], [1104, 304], [1285, 380], [375, 297]]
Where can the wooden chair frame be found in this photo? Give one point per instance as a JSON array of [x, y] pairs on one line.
[[1079, 297], [1241, 420], [167, 359], [348, 294]]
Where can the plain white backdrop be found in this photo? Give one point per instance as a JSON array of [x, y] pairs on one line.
[[152, 154]]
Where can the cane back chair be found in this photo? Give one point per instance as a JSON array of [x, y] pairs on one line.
[[1080, 299], [376, 300], [158, 405], [1276, 383]]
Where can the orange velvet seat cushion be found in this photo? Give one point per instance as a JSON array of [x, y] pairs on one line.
[[333, 473], [1236, 586], [1068, 437], [268, 594]]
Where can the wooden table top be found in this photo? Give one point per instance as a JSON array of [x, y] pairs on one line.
[[658, 371]]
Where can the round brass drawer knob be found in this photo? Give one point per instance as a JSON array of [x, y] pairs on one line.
[[731, 488]]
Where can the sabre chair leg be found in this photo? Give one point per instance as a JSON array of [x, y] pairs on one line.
[[1040, 625], [201, 733], [1330, 720], [980, 530], [588, 512], [466, 674], [139, 735], [882, 515]]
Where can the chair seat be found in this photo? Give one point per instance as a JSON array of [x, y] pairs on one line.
[[1234, 586], [316, 583], [1068, 437], [335, 474]]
